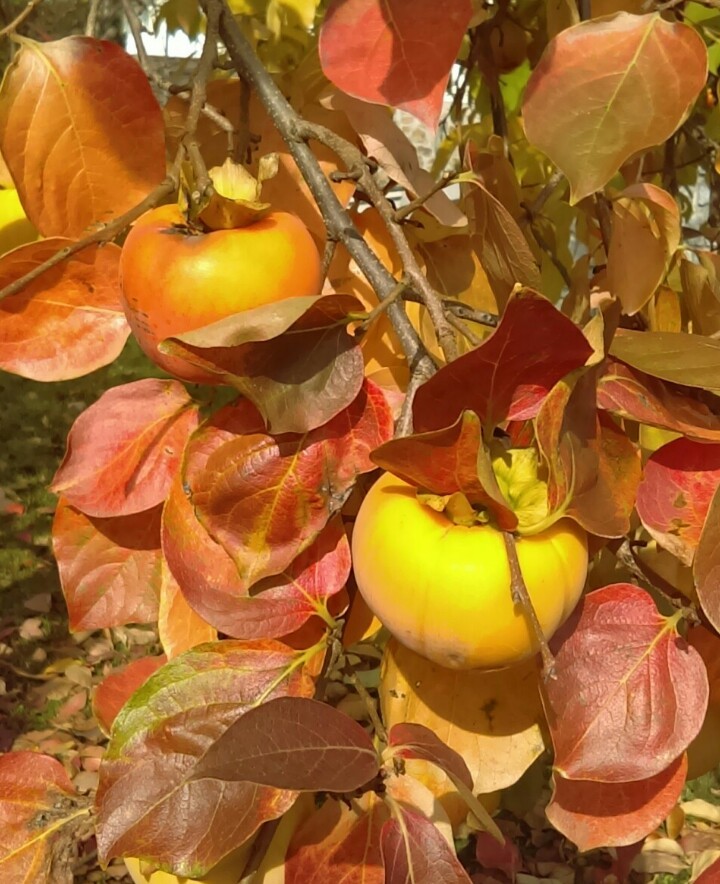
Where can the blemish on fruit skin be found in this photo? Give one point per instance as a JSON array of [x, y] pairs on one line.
[[680, 501]]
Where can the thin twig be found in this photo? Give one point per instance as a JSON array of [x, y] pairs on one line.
[[537, 205], [19, 18], [462, 311], [419, 201], [91, 22], [557, 263], [521, 596], [404, 425], [383, 306], [136, 29], [243, 148], [460, 327], [337, 220], [104, 234], [371, 707]]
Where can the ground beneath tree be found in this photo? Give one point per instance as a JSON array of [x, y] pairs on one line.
[[47, 675]]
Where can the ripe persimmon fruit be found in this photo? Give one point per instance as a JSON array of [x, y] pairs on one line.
[[443, 590], [176, 279]]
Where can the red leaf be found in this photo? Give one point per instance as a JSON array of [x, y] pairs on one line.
[[596, 815], [629, 695], [147, 777], [265, 498], [109, 568], [282, 604], [711, 875], [416, 852], [123, 451], [67, 322], [449, 460], [706, 568], [417, 741], [392, 52], [40, 819], [115, 689], [630, 393], [505, 857], [674, 497], [339, 843], [293, 743], [80, 150], [509, 375]]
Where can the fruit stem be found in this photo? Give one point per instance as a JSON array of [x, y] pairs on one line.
[[371, 708], [521, 596]]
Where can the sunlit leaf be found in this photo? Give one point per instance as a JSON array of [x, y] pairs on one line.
[[115, 689], [629, 694], [389, 52], [179, 626], [69, 321], [605, 89], [80, 150], [679, 481], [110, 569], [123, 451], [41, 819], [413, 850], [706, 567]]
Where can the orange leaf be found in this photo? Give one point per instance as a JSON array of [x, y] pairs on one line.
[[123, 451], [179, 627], [109, 568], [69, 321], [596, 815], [116, 689], [39, 818], [604, 90], [81, 150]]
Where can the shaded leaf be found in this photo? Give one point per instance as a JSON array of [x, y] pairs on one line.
[[258, 352], [69, 321], [293, 743], [706, 567], [505, 857], [701, 292], [645, 235], [281, 604], [40, 817], [414, 851], [387, 52], [492, 719], [630, 393], [629, 693], [418, 741], [509, 375], [116, 688], [679, 481], [266, 498], [179, 626], [500, 244], [680, 358], [147, 776], [123, 451], [339, 843], [449, 460], [80, 150], [594, 815], [110, 569], [604, 90]]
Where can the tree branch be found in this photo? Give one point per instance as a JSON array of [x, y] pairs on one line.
[[19, 18], [337, 220]]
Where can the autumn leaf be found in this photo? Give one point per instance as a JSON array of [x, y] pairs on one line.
[[123, 451], [110, 569], [69, 321], [629, 693], [606, 89], [78, 160], [116, 688], [160, 736], [41, 817], [594, 815], [388, 52], [179, 626], [413, 850]]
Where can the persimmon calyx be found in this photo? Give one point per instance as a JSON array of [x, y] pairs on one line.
[[236, 199]]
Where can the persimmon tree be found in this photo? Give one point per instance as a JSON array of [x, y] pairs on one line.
[[521, 326]]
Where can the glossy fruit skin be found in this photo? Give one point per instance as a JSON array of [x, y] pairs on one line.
[[15, 228], [175, 280], [443, 590]]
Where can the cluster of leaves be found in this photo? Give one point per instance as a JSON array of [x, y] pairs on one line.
[[227, 523]]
